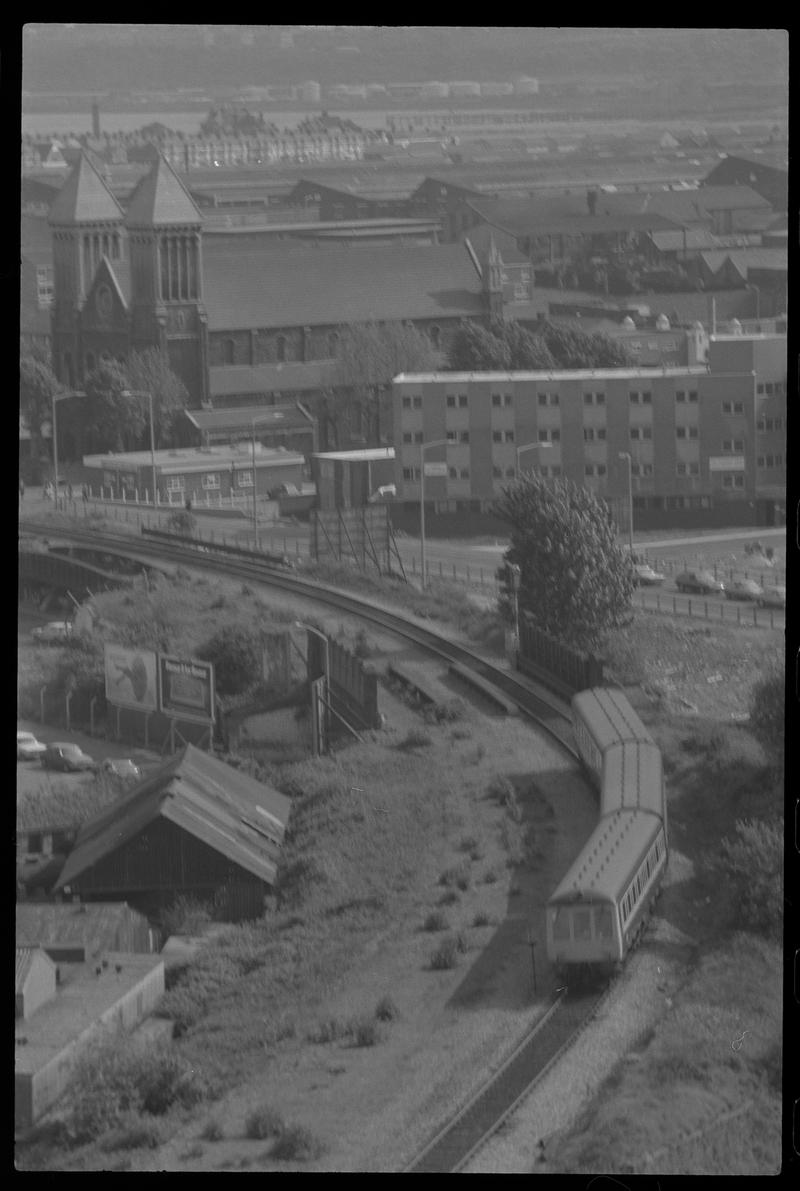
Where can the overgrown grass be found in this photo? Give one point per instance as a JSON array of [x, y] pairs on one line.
[[415, 738], [447, 953], [436, 920], [264, 1121], [458, 875], [297, 1144], [386, 1009]]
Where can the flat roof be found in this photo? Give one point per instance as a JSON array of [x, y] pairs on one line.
[[82, 997], [187, 459], [460, 378], [366, 454]]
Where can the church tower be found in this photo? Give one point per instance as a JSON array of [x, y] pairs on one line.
[[165, 243], [87, 225]]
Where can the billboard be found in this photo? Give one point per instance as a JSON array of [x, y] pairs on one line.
[[187, 688], [131, 677], [726, 463]]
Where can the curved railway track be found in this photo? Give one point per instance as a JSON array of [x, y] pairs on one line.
[[540, 705], [461, 1138]]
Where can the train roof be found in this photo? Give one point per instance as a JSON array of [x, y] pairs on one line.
[[609, 716], [609, 858], [632, 778]]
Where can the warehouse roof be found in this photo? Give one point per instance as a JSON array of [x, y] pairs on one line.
[[88, 925], [221, 806], [306, 286], [566, 215], [281, 417]]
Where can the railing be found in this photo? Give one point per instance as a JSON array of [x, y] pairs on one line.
[[672, 566], [724, 611]]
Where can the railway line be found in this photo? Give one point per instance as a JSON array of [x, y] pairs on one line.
[[452, 1147], [545, 709]]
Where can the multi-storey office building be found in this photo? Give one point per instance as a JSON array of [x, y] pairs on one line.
[[690, 432]]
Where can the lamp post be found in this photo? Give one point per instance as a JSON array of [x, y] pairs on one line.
[[516, 576], [309, 628], [253, 424], [531, 446], [149, 396], [439, 442], [627, 455]]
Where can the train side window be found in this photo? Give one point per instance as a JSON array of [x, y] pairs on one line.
[[561, 924], [582, 922], [602, 922]]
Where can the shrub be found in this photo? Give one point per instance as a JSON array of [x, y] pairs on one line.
[[386, 1010], [444, 713], [768, 712], [186, 916], [235, 650], [134, 1136], [489, 877], [435, 921], [330, 1030], [213, 1130], [501, 790], [446, 955], [458, 876], [365, 1031], [298, 1144], [468, 843], [182, 522], [449, 898], [481, 919], [415, 738], [192, 1151], [754, 861], [263, 1122]]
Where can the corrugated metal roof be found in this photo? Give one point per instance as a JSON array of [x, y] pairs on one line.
[[90, 924], [609, 857], [226, 809]]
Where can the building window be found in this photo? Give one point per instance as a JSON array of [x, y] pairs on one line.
[[509, 435], [680, 396], [451, 402], [508, 399], [497, 400], [542, 399], [418, 436], [280, 348], [211, 480], [693, 396], [647, 398], [90, 362], [175, 483], [244, 479], [594, 398], [497, 436], [452, 436], [548, 398], [633, 398], [549, 436], [733, 445], [733, 407], [680, 432], [463, 401], [417, 402], [228, 352], [406, 437], [693, 432], [760, 390], [44, 286], [497, 473], [769, 389], [453, 473], [406, 403], [464, 436], [464, 473], [636, 433], [407, 473], [510, 473]]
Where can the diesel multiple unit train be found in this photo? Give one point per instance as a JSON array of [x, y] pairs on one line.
[[600, 908]]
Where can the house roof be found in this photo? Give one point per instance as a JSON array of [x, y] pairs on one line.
[[161, 199], [224, 808], [565, 215], [307, 286], [278, 417], [91, 925], [698, 237], [269, 378], [745, 259], [84, 198]]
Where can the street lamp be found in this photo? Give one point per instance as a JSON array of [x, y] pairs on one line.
[[253, 424], [309, 628], [626, 455], [439, 442], [149, 396], [531, 446]]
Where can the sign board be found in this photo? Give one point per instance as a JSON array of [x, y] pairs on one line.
[[131, 677], [726, 463], [436, 469], [186, 688]]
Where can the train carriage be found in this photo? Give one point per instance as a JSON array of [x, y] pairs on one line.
[[602, 718], [633, 779], [600, 907]]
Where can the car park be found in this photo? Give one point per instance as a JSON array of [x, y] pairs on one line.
[[53, 632], [699, 583], [743, 589], [122, 768], [28, 747], [645, 576], [69, 758], [773, 596]]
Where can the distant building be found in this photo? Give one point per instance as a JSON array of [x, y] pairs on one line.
[[76, 932], [766, 175]]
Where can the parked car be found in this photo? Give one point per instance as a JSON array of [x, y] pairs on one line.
[[28, 747], [773, 596], [54, 631], [122, 768], [69, 758], [699, 583], [385, 492], [645, 576], [743, 589]]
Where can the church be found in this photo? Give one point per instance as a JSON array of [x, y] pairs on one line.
[[244, 320]]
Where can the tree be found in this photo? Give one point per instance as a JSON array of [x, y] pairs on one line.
[[111, 420], [148, 371], [528, 352], [369, 357], [575, 582], [575, 349], [508, 346], [477, 349], [37, 387], [753, 859], [235, 651]]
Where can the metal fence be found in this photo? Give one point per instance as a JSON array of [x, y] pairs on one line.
[[726, 612]]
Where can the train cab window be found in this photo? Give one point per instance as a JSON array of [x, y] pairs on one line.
[[602, 922], [583, 926], [561, 924]]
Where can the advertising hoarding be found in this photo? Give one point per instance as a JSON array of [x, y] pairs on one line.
[[436, 469], [186, 688], [131, 677], [726, 463]]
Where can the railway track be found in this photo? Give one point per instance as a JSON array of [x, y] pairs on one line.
[[452, 1147], [533, 700]]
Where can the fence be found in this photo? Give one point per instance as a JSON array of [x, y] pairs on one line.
[[724, 611], [555, 664], [481, 576]]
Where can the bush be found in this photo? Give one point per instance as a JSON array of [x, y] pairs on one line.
[[415, 738], [449, 898], [182, 522], [768, 712], [446, 955], [481, 919], [330, 1030], [458, 876], [366, 1031], [386, 1010], [213, 1130], [263, 1122], [186, 916], [444, 713], [235, 651], [435, 921], [754, 861], [135, 1136], [298, 1144], [489, 877]]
